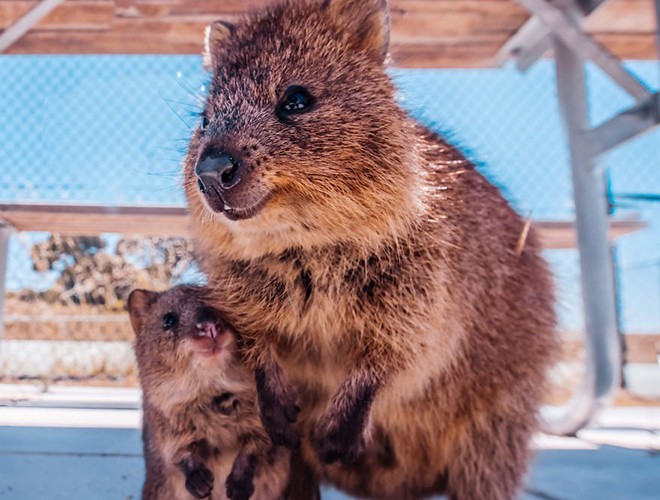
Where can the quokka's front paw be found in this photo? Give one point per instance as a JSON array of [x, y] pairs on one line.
[[339, 439], [199, 482], [279, 409], [239, 487], [277, 420]]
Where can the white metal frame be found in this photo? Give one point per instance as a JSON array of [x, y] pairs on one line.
[[556, 24]]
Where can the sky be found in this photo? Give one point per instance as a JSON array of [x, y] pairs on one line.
[[113, 129]]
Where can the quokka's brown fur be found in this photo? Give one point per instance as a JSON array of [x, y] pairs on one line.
[[201, 423], [373, 271]]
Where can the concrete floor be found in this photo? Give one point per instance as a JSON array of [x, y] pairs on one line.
[[76, 452]]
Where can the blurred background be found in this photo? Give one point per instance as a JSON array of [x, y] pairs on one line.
[[111, 130], [98, 99]]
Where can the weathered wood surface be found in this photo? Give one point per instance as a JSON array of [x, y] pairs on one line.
[[95, 219], [173, 221], [425, 33]]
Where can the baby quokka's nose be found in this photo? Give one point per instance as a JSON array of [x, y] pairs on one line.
[[219, 171]]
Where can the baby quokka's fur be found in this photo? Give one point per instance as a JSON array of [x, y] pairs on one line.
[[202, 433], [375, 275]]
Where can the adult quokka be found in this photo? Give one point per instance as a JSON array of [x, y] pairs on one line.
[[380, 281], [202, 433]]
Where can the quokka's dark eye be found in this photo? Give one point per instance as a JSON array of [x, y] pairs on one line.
[[170, 320], [204, 123], [296, 100]]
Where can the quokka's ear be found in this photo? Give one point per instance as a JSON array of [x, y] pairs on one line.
[[139, 302], [214, 35], [368, 24]]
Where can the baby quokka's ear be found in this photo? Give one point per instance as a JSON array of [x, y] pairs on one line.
[[139, 303], [214, 35], [367, 23]]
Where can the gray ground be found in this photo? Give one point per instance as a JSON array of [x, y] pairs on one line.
[[86, 445]]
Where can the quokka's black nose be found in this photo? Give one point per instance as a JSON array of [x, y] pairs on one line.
[[219, 170]]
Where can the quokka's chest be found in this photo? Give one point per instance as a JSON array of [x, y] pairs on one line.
[[322, 293], [287, 295]]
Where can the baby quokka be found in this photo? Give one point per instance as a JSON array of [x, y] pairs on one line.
[[202, 434]]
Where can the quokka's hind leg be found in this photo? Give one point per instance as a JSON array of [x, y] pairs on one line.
[[303, 485], [492, 460]]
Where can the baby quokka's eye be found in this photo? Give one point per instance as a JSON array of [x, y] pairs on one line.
[[296, 100], [170, 320]]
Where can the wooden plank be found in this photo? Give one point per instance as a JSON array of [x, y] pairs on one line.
[[426, 33], [630, 45], [95, 219], [476, 54], [71, 14], [173, 221], [629, 16], [559, 235], [419, 21], [158, 8], [433, 22], [130, 36], [184, 38], [127, 36]]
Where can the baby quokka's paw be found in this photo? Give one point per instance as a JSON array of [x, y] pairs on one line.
[[338, 439], [239, 488], [240, 482], [199, 482]]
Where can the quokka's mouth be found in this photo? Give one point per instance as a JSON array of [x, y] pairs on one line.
[[210, 336], [217, 204], [235, 213]]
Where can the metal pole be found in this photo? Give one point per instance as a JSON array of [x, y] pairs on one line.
[[602, 345], [4, 257]]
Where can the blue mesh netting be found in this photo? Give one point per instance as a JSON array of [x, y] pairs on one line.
[[113, 129], [95, 129]]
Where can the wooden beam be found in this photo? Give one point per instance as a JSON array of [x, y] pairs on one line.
[[425, 33], [421, 22], [475, 54], [96, 219], [627, 16], [560, 235], [70, 14], [173, 221], [640, 46]]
